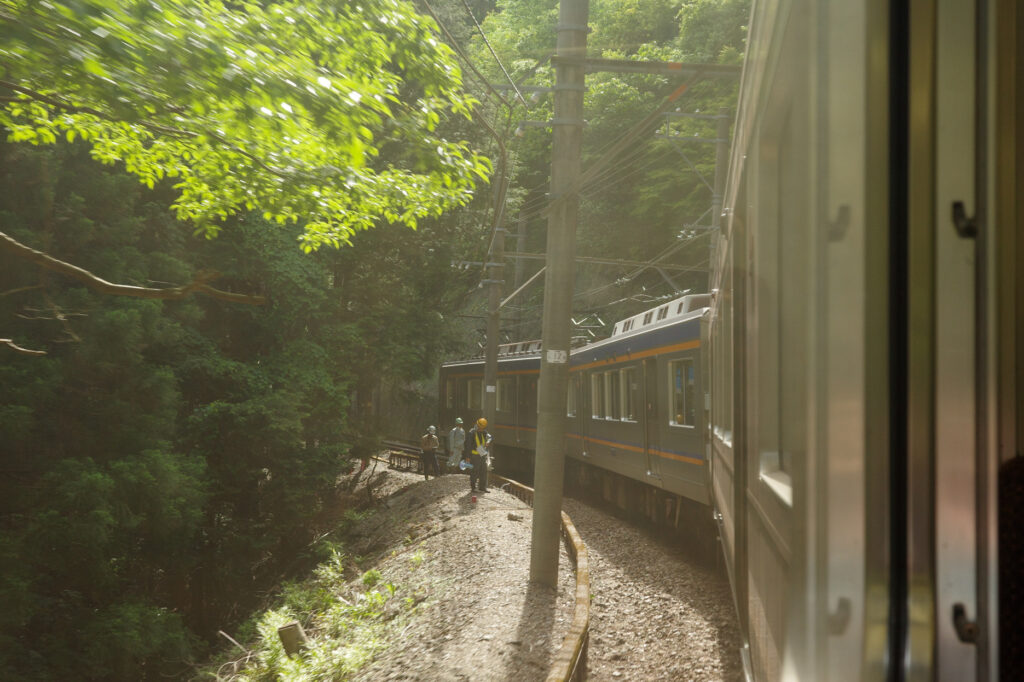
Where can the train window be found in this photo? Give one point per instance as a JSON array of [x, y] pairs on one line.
[[611, 396], [473, 394], [647, 317], [597, 395], [504, 397], [570, 398], [449, 393], [627, 394], [683, 391], [663, 312]]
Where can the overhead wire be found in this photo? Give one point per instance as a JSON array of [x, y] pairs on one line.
[[494, 54], [592, 176], [609, 178], [539, 206], [458, 50]]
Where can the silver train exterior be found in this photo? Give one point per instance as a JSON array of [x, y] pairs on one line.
[[865, 342]]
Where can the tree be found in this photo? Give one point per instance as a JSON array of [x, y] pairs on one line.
[[170, 460], [281, 106], [319, 113]]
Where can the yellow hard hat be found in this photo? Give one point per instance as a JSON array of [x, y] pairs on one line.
[[481, 423]]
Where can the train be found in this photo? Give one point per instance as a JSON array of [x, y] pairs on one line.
[[864, 342], [635, 414], [846, 403]]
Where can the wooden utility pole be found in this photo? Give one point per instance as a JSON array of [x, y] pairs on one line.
[[549, 465]]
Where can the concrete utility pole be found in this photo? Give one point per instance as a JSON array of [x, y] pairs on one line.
[[549, 466], [495, 280]]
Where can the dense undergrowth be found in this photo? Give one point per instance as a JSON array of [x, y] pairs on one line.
[[347, 621]]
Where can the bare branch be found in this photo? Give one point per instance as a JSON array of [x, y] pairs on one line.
[[198, 285], [19, 290], [18, 349], [232, 640]]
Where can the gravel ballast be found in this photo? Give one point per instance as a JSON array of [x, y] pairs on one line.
[[655, 614]]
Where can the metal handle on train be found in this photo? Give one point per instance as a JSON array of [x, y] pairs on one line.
[[966, 630], [966, 227]]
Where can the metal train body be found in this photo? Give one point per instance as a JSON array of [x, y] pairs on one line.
[[864, 340], [635, 406]]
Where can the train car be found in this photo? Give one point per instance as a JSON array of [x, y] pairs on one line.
[[864, 342], [514, 426], [635, 411], [636, 401]]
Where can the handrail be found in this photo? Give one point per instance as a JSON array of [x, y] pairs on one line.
[[571, 660]]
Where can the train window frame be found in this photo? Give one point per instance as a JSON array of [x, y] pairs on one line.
[[596, 395], [627, 394], [449, 393], [504, 395], [474, 394], [571, 397], [612, 408], [662, 312], [672, 393]]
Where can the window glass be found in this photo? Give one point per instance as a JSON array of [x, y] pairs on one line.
[[473, 394], [597, 395], [663, 313], [627, 394], [449, 393], [505, 391], [611, 395], [570, 399], [683, 390]]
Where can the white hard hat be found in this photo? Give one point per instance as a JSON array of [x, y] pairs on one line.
[[431, 429]]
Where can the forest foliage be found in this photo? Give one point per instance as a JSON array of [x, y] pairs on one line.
[[168, 462], [324, 113]]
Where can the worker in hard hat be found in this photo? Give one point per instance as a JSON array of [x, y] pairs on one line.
[[477, 451], [428, 447]]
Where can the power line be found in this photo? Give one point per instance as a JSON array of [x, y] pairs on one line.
[[458, 50], [493, 53]]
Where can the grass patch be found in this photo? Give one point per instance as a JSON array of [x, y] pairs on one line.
[[347, 625]]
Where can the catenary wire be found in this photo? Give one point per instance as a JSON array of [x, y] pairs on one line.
[[494, 54]]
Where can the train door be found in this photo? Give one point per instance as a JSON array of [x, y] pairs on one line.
[[652, 425], [585, 410], [518, 383], [971, 285], [574, 415]]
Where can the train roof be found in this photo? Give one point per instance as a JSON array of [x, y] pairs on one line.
[[677, 310]]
